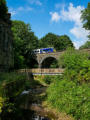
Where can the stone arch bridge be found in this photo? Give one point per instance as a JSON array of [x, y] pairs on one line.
[[40, 58], [49, 57]]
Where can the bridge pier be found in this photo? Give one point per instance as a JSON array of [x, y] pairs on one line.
[[39, 66]]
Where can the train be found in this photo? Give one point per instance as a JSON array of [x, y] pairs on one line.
[[44, 50]]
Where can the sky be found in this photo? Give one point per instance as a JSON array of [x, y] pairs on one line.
[[61, 17]]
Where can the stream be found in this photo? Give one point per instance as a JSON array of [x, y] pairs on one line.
[[38, 117], [33, 105]]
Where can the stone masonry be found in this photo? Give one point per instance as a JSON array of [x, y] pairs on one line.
[[6, 51], [41, 57]]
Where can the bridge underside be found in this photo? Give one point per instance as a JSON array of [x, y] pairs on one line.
[[45, 60], [49, 62]]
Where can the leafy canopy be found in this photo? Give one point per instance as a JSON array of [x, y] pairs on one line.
[[58, 42], [86, 45], [76, 64], [86, 18], [24, 42]]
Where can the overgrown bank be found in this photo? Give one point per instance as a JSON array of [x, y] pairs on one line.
[[11, 86], [70, 92]]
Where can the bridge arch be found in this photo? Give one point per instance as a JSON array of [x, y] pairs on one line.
[[41, 57], [49, 62]]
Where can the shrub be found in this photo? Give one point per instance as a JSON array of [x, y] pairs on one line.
[[1, 104], [76, 64], [11, 85], [86, 45], [67, 97], [51, 78], [47, 79], [68, 93]]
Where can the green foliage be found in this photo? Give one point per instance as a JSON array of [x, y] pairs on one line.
[[58, 42], [10, 77], [76, 64], [1, 104], [24, 42], [70, 93], [86, 17], [86, 45], [11, 86], [67, 97], [54, 64], [48, 79], [3, 9]]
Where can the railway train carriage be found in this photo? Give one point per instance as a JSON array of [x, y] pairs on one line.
[[36, 51], [44, 50]]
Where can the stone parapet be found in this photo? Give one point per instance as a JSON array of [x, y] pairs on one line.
[[41, 71]]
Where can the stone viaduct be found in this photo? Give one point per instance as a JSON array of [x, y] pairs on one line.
[[40, 58]]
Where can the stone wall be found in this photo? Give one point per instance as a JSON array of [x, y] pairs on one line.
[[6, 49]]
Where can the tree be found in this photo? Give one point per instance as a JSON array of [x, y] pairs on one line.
[[86, 45], [86, 17], [76, 64], [63, 43], [24, 42], [48, 40], [58, 42], [3, 9]]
